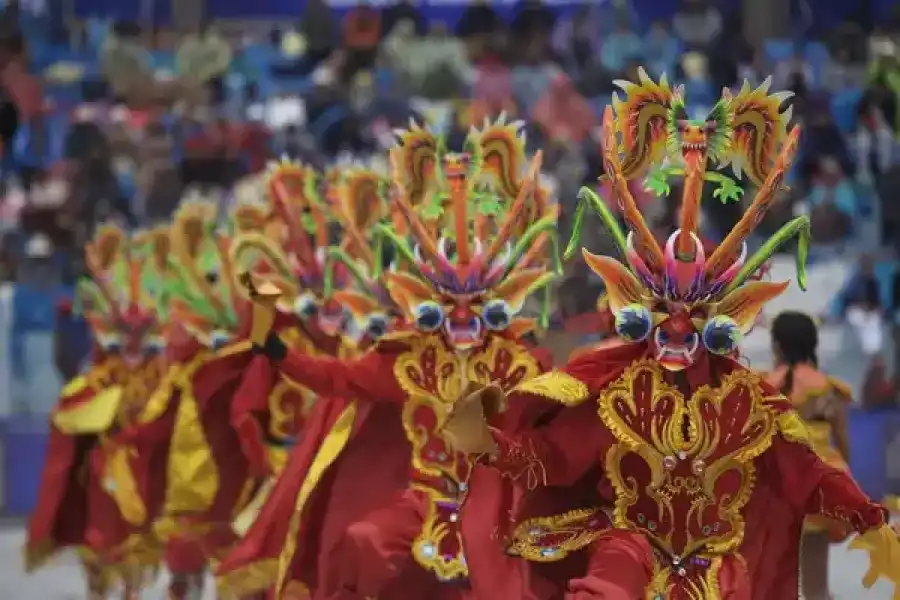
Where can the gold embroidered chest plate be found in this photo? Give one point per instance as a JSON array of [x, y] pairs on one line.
[[683, 469], [433, 377]]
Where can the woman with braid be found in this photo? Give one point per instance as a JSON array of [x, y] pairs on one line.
[[822, 401]]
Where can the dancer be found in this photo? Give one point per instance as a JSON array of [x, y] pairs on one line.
[[711, 467], [324, 310], [390, 527], [822, 403], [122, 304], [194, 476], [350, 279]]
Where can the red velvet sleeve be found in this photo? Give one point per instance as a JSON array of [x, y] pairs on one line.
[[369, 378], [815, 488], [557, 454]]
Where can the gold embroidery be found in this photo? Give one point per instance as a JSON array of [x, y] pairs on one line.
[[549, 539], [433, 378], [686, 492], [701, 583], [429, 549], [557, 386], [793, 428]]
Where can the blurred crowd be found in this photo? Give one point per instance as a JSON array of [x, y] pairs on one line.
[[120, 120]]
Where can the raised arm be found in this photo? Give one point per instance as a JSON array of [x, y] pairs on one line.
[[369, 378]]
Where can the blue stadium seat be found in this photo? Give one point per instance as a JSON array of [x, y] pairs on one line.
[[817, 54], [778, 50], [843, 109]]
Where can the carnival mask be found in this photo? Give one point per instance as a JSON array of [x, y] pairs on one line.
[[464, 319], [676, 299], [121, 300]]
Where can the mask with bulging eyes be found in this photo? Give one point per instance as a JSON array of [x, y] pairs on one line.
[[377, 326], [306, 306]]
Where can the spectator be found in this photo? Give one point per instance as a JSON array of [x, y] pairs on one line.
[[879, 390], [71, 343], [876, 122], [35, 381], [832, 202], [620, 48], [319, 27], [843, 72], [863, 309], [794, 73], [398, 52], [10, 18], [861, 290], [822, 138], [534, 73], [563, 114], [697, 23], [404, 11], [492, 94], [159, 180], [203, 58], [441, 67], [576, 39], [533, 24], [660, 49], [362, 33], [124, 60]]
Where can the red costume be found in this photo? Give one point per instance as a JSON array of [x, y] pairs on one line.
[[319, 314], [191, 477], [369, 503], [74, 507], [712, 469]]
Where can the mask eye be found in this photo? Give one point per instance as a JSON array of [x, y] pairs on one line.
[[110, 343], [496, 314], [218, 339], [721, 335], [429, 316], [306, 306], [212, 277], [376, 327], [153, 345], [634, 323]]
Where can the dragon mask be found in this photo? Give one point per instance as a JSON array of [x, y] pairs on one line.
[[475, 233], [123, 298], [675, 296]]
